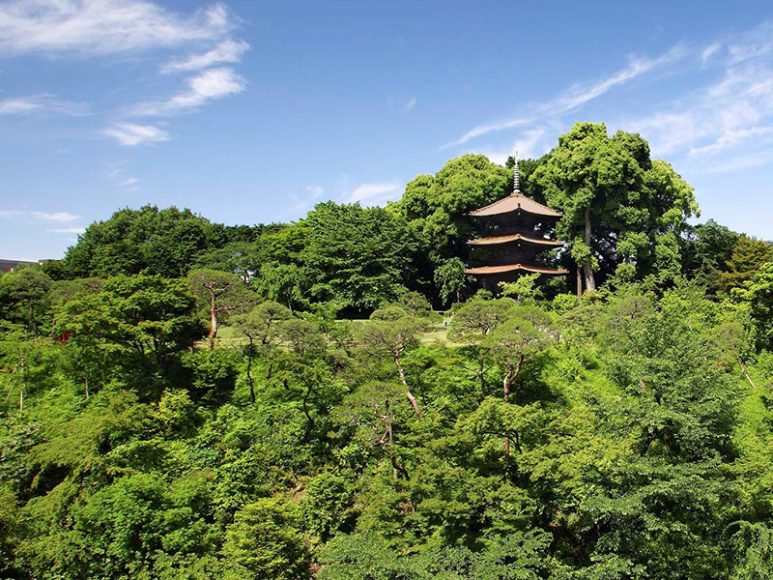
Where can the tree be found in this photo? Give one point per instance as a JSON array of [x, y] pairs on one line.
[[451, 279], [266, 541], [522, 336], [144, 322], [392, 338], [371, 410], [164, 242], [24, 297], [473, 322], [623, 212], [708, 248], [261, 326], [437, 206], [222, 293], [748, 256], [758, 294], [359, 257]]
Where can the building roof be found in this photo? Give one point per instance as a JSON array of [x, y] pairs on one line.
[[515, 202], [9, 265], [494, 240], [493, 270]]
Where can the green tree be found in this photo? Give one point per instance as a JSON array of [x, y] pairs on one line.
[[450, 278], [758, 294], [437, 207], [164, 242], [262, 329], [24, 297], [523, 335], [266, 540], [391, 338], [220, 293], [623, 212], [145, 322], [747, 257]]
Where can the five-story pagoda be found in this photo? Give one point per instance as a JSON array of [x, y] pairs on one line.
[[515, 234]]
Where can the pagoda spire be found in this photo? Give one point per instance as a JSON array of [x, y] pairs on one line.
[[516, 176]]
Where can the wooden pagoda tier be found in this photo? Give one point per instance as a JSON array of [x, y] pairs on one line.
[[514, 236]]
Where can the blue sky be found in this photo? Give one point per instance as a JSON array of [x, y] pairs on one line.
[[252, 111]]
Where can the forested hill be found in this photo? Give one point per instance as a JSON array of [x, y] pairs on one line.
[[334, 398]]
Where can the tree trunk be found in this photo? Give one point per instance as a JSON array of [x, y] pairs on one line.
[[745, 373], [250, 380], [590, 280], [512, 372], [482, 375], [579, 281], [212, 321], [411, 398], [309, 419], [506, 398]]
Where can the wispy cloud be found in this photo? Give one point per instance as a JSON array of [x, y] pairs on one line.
[[228, 51], [316, 191], [574, 97], [73, 230], [89, 27], [210, 85], [374, 193], [723, 123], [131, 134], [480, 130], [120, 178], [197, 42], [41, 104], [530, 143], [61, 216], [411, 104], [730, 115]]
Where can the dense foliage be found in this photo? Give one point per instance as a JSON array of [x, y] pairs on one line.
[[284, 403]]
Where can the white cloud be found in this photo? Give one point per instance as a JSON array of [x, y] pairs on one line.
[[131, 134], [710, 51], [574, 97], [6, 213], [61, 216], [73, 230], [211, 84], [87, 27], [480, 130], [374, 193], [228, 51], [532, 142], [724, 115], [129, 183], [316, 191], [40, 104], [411, 104], [120, 178]]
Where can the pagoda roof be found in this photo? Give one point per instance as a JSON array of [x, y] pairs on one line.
[[515, 202], [494, 240], [494, 270]]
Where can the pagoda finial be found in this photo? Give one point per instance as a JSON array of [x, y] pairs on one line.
[[516, 176]]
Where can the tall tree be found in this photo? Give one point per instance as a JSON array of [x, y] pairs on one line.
[[392, 338], [437, 205], [221, 293], [261, 326], [623, 212], [513, 343], [24, 297]]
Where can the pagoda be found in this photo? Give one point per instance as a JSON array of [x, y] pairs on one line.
[[514, 234]]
